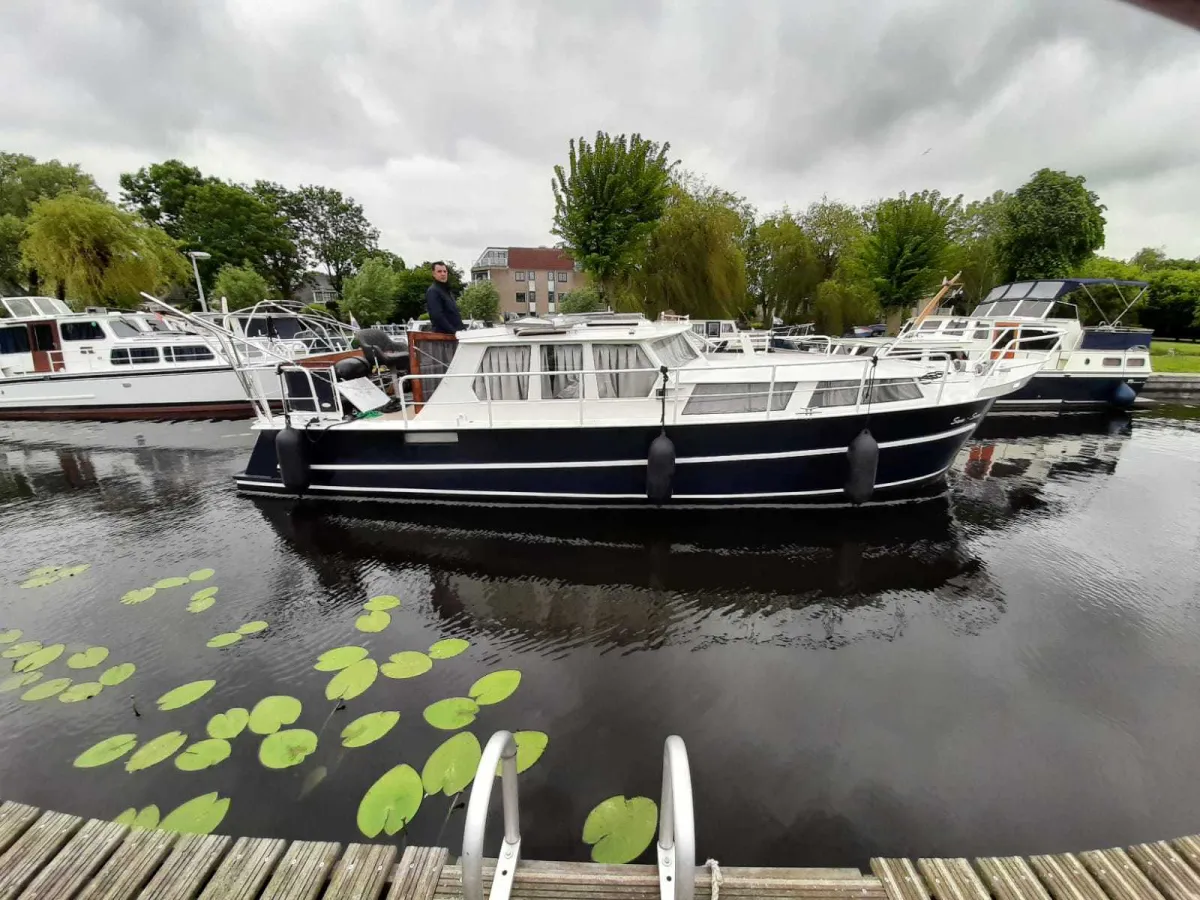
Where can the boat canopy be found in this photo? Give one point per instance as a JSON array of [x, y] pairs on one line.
[[32, 307], [1035, 299]]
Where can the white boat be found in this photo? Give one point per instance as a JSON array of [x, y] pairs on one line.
[[723, 335]]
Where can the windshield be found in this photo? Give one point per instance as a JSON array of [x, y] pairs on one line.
[[122, 328]]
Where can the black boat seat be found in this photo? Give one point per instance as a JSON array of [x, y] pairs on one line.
[[381, 351]]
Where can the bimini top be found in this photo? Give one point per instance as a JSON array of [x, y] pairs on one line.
[[1034, 299]]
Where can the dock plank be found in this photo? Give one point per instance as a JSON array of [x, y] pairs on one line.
[[1189, 849], [37, 846], [15, 818], [417, 875], [1167, 870], [1010, 878], [302, 872], [131, 866], [245, 869], [952, 879], [361, 873], [1119, 875], [76, 862], [900, 879], [187, 868], [1066, 878]]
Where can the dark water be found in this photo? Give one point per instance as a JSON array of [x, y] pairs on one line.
[[1012, 669]]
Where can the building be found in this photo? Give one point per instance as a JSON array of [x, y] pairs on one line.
[[531, 280]]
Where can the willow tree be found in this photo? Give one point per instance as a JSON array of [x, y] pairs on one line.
[[905, 251], [786, 268]]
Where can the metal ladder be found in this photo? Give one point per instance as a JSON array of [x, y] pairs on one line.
[[676, 849]]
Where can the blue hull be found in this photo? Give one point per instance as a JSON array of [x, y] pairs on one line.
[[1056, 391]]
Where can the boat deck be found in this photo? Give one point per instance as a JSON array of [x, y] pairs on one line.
[[46, 855]]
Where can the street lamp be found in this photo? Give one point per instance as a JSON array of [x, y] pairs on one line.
[[195, 255]]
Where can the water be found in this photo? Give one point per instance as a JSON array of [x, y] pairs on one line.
[[1011, 669]]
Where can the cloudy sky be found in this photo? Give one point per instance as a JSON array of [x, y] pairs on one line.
[[445, 118]]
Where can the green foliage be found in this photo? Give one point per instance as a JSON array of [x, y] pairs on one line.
[[373, 621], [285, 265], [785, 268], [369, 728], [339, 658], [382, 603], [370, 295], [86, 659], [407, 664], [114, 675], [620, 830], [451, 767], [80, 691], [495, 686], [841, 305], [333, 230], [836, 230], [530, 747], [443, 649], [234, 226], [108, 750], [155, 751], [185, 694], [1172, 302], [229, 724], [159, 192], [270, 713], [586, 299], [285, 749], [12, 272], [608, 200], [203, 755], [903, 255], [241, 285], [200, 815], [480, 300], [352, 680], [1103, 303], [46, 689], [1051, 225], [391, 802], [452, 713], [974, 251], [24, 181]]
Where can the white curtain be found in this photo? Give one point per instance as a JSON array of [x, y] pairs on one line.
[[507, 369], [561, 367], [835, 393], [632, 383], [738, 397]]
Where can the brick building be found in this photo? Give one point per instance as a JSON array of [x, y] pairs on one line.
[[531, 280]]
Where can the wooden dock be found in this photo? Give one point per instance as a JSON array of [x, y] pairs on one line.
[[54, 856]]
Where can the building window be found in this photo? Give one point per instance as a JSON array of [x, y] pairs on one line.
[[550, 304], [81, 331], [623, 370], [533, 276], [532, 299], [507, 374], [520, 276], [520, 296], [562, 276]]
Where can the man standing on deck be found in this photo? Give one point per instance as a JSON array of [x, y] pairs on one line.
[[440, 303]]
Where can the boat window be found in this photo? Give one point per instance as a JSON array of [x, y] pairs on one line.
[[81, 331], [1035, 309], [995, 293], [835, 393], [123, 329], [1004, 308], [1020, 289], [123, 356], [674, 351], [188, 353], [19, 307], [1046, 290], [14, 340], [508, 371], [957, 326], [282, 327], [738, 397], [981, 334], [982, 311], [1034, 339], [712, 329], [1135, 361], [1112, 361], [893, 390], [623, 370], [931, 325], [562, 366]]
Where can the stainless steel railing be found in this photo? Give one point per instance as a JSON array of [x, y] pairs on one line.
[[500, 751], [676, 825]]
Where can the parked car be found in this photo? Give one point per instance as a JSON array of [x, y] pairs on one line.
[[879, 329]]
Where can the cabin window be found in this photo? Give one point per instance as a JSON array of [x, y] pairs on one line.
[[835, 393], [123, 329], [623, 370], [1033, 339], [930, 325], [14, 340], [1135, 361], [957, 326], [893, 390], [712, 329], [1046, 290], [674, 351], [1020, 289], [995, 293], [189, 353], [1112, 361], [738, 397], [123, 356], [81, 331], [981, 334], [1003, 308], [562, 366], [507, 371], [1035, 309]]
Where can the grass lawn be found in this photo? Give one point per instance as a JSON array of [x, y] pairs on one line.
[[1186, 358]]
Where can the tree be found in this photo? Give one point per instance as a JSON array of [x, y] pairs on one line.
[[241, 286], [581, 300], [12, 230], [1148, 259], [1051, 225], [370, 294], [836, 231], [1104, 303], [902, 257], [393, 260], [159, 193], [840, 305], [1171, 302], [98, 254], [286, 265], [24, 181], [785, 268], [974, 249], [235, 227], [334, 231], [608, 200], [480, 300]]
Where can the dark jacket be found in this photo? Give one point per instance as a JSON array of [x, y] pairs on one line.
[[443, 309]]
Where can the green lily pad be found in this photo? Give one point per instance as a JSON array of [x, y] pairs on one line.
[[452, 713], [201, 601], [229, 724], [155, 751], [85, 659], [114, 675], [451, 767], [381, 604], [391, 802], [203, 754], [39, 658], [352, 681], [495, 687], [448, 647], [139, 595], [13, 634], [373, 621], [620, 830], [147, 818], [108, 750], [205, 593], [84, 690], [22, 649], [44, 570], [16, 682], [72, 571], [224, 640], [253, 627], [200, 815], [164, 583], [339, 658], [530, 747], [185, 694], [39, 581], [201, 575], [272, 713], [46, 689], [369, 728], [408, 664], [126, 816], [284, 749]]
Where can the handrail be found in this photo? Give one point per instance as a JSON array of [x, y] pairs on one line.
[[676, 825], [500, 750]]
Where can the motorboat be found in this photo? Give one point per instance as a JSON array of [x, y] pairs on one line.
[[621, 411], [723, 335]]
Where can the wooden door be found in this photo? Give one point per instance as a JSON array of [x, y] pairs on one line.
[[1002, 334]]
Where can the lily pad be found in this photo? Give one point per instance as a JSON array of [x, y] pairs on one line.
[[72, 571], [452, 713], [620, 830], [39, 581], [272, 713], [229, 724], [164, 583], [495, 687], [201, 575], [84, 690], [114, 675], [381, 604], [203, 754], [108, 750], [451, 767], [16, 682], [284, 749], [46, 689], [339, 658], [155, 751], [352, 681], [13, 634], [185, 694], [147, 818], [138, 595], [39, 658], [44, 570], [448, 647], [369, 728], [22, 649], [224, 640], [85, 659], [199, 604], [373, 621], [408, 664], [253, 627], [530, 747], [391, 802], [200, 815]]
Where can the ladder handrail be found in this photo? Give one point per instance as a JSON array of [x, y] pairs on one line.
[[500, 750], [676, 825]]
